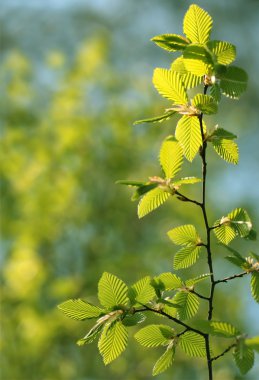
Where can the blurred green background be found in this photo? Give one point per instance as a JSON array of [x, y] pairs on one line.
[[74, 77]]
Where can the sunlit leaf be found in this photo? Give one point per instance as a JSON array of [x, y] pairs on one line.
[[188, 133], [198, 60], [196, 280], [189, 303], [169, 84], [113, 341], [166, 116], [197, 24], [152, 200], [133, 319], [189, 80], [171, 42], [91, 335], [80, 310], [184, 235], [233, 82], [167, 281], [215, 92], [193, 344], [186, 257], [255, 285], [253, 343], [141, 190], [205, 103], [186, 181], [226, 149], [171, 157], [224, 52], [164, 362], [218, 328], [142, 291], [154, 335], [225, 233], [112, 291], [244, 357]]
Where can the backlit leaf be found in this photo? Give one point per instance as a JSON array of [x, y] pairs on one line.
[[164, 362], [205, 103], [255, 285], [133, 319], [215, 92], [198, 60], [152, 200], [225, 233], [233, 82], [193, 344], [189, 303], [189, 80], [224, 52], [167, 281], [226, 149], [154, 335], [184, 235], [113, 341], [171, 157], [169, 84], [244, 357], [166, 116], [197, 24], [217, 328], [196, 280], [80, 310], [253, 343], [171, 42], [186, 181], [142, 291], [91, 335], [186, 257], [112, 291]]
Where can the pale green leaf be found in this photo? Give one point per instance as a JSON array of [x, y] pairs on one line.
[[141, 190], [166, 116], [226, 149], [196, 280], [112, 291], [225, 233], [240, 221], [220, 133], [142, 291], [186, 257], [167, 281], [171, 157], [152, 200], [193, 344], [189, 304], [188, 133], [154, 335], [197, 24], [244, 357], [215, 92], [113, 341], [133, 319], [224, 52], [165, 361], [198, 60], [169, 84], [233, 82], [189, 80], [253, 343], [205, 103], [171, 42], [80, 310], [186, 181], [218, 328], [255, 285], [184, 235], [91, 335]]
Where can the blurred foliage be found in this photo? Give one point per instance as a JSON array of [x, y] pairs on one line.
[[66, 137]]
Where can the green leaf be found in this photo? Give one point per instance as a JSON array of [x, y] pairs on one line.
[[154, 335], [133, 319], [184, 235], [220, 133], [186, 181], [80, 310], [233, 82], [113, 341], [112, 291], [192, 344], [91, 335], [197, 24], [152, 200], [215, 92], [142, 291], [218, 328], [244, 357], [141, 190], [171, 157], [165, 361], [198, 60], [226, 149], [253, 343], [188, 134], [196, 280], [171, 42], [254, 283], [205, 103], [167, 281], [189, 80], [169, 84], [224, 52], [225, 233], [166, 116], [130, 183], [186, 257], [189, 304]]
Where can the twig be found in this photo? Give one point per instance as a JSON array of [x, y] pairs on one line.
[[223, 353], [226, 279]]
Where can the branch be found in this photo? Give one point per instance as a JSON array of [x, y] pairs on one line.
[[224, 352], [226, 279], [186, 199], [200, 295]]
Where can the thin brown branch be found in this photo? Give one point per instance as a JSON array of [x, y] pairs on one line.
[[224, 352], [226, 279]]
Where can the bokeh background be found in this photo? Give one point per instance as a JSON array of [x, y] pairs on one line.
[[75, 74]]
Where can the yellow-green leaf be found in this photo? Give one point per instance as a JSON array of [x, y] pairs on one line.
[[171, 157], [224, 52], [169, 84], [152, 200], [186, 257], [165, 361], [112, 291], [184, 235], [113, 341], [197, 24]]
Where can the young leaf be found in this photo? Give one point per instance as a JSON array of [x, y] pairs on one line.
[[233, 82], [184, 235], [171, 157], [152, 200], [254, 283], [186, 257], [226, 149], [197, 24], [205, 103], [253, 343], [218, 328], [186, 181], [171, 42], [188, 133], [169, 84], [154, 335], [225, 233], [167, 281], [215, 92], [80, 310], [224, 52], [189, 80], [142, 291], [196, 280], [166, 116], [165, 361], [193, 344], [189, 304], [198, 60], [141, 190], [133, 319], [244, 357], [112, 291], [113, 341], [91, 335]]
